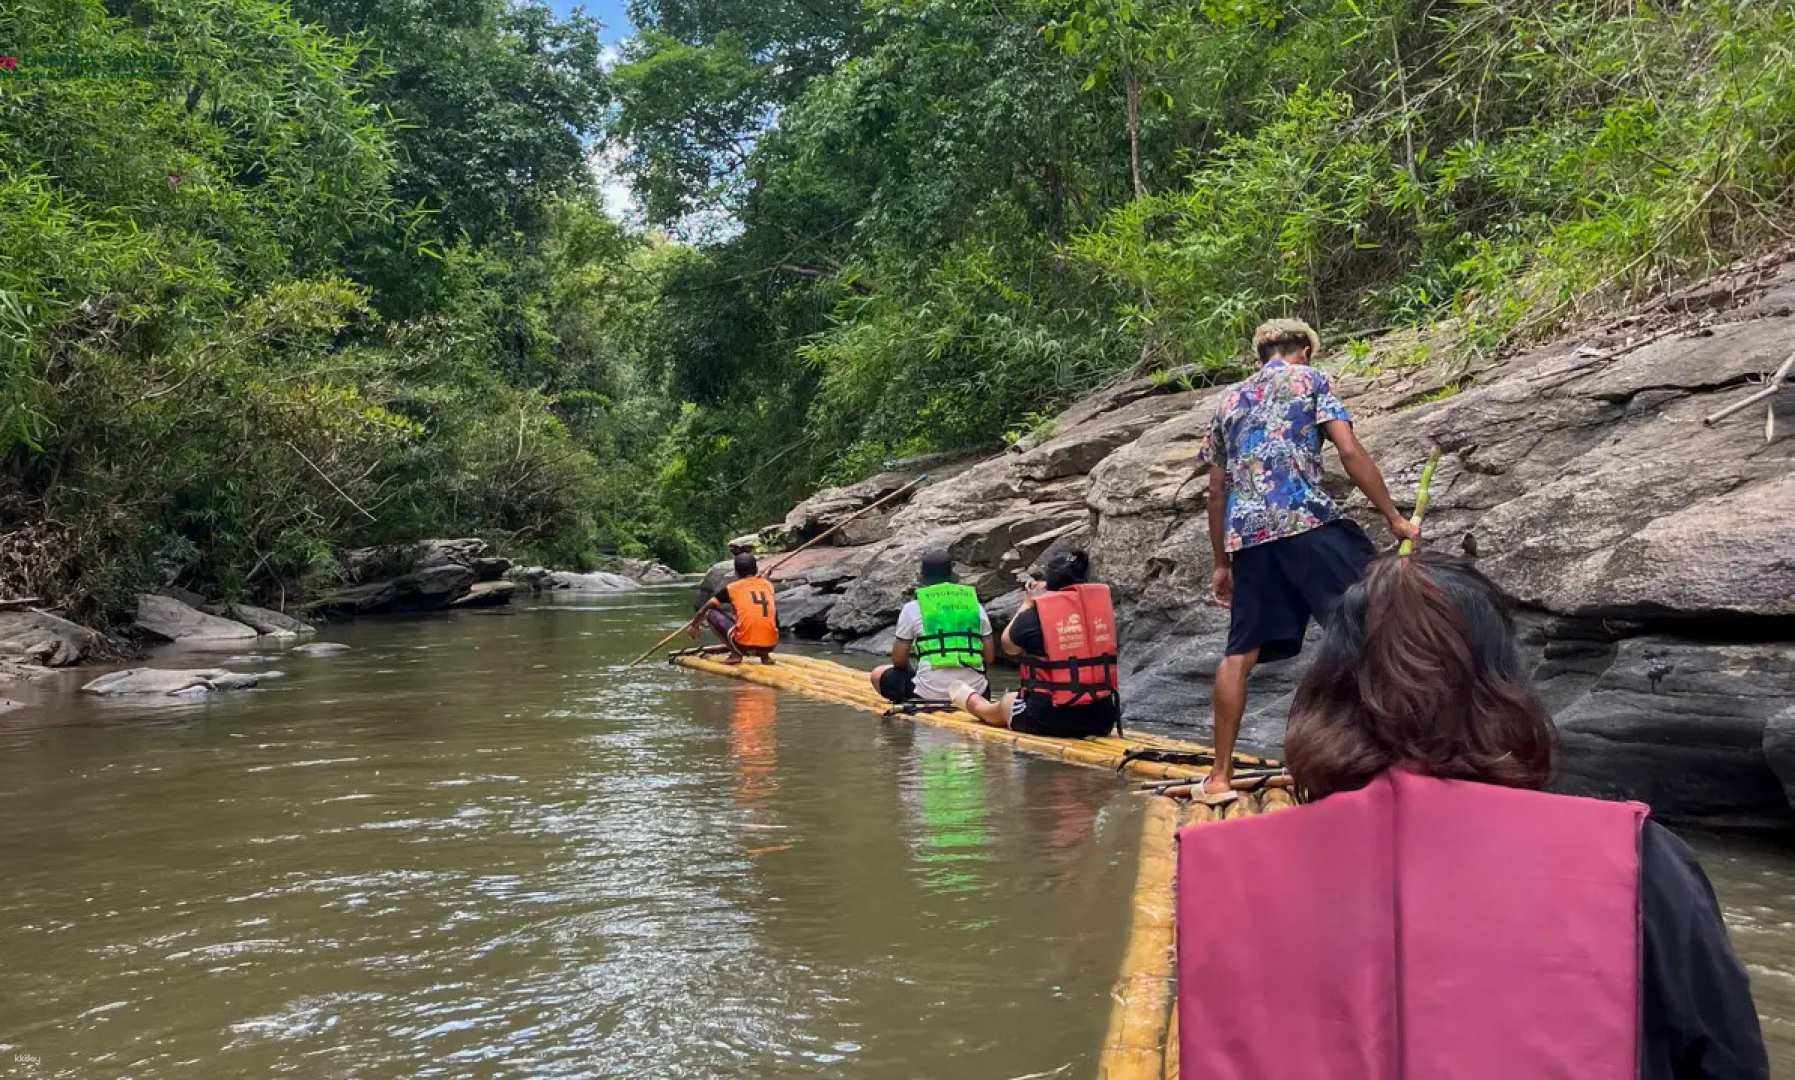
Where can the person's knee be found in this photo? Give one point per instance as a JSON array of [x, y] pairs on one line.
[[878, 674]]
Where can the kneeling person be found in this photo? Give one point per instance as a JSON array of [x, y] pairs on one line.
[[751, 625], [1065, 636], [944, 633]]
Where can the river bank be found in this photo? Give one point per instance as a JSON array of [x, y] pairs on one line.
[[1649, 556], [429, 576]]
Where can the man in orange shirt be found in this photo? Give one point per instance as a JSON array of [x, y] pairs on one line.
[[751, 625]]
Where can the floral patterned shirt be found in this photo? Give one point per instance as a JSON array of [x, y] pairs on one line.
[[1267, 435]]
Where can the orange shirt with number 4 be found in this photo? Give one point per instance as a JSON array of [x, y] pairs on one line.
[[756, 616]]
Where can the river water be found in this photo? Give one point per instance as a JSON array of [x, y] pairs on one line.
[[476, 846]]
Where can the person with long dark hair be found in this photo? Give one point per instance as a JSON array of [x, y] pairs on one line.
[[1434, 912]]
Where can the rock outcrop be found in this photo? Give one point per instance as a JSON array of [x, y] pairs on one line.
[[646, 571], [1652, 558], [45, 639], [264, 621], [599, 581], [427, 576], [169, 619]]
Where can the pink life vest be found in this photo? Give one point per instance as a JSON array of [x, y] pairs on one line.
[[1415, 928]]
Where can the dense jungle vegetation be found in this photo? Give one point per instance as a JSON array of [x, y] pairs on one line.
[[337, 272]]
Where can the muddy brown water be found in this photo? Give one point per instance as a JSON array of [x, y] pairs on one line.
[[476, 846]]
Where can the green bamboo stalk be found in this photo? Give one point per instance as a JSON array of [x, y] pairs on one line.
[[1427, 479]]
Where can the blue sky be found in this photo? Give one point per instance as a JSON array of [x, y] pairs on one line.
[[609, 12]]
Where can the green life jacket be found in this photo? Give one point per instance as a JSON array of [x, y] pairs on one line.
[[950, 627]]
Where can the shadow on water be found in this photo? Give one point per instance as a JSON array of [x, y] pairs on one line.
[[476, 845]]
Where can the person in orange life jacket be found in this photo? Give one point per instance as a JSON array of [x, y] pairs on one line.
[[751, 623], [1283, 552], [944, 632], [1433, 911], [1065, 638]]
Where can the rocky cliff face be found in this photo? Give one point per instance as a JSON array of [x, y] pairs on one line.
[[1652, 558]]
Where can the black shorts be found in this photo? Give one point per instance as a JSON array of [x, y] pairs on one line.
[[1036, 714], [897, 684], [1279, 586]]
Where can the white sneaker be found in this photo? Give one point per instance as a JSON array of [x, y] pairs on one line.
[[958, 693]]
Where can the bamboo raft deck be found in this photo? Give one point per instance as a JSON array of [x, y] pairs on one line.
[[844, 685], [1142, 1040]]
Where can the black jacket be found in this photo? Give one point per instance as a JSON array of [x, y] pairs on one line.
[[1697, 1020]]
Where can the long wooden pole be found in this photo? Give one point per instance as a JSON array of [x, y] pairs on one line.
[[837, 527], [680, 630], [1769, 390], [1427, 478]]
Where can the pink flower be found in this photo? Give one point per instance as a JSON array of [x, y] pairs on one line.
[[9, 63]]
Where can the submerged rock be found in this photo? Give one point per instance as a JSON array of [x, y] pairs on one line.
[[169, 681], [322, 648], [171, 620], [45, 639]]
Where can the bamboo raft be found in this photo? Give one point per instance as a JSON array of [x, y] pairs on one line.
[[844, 685]]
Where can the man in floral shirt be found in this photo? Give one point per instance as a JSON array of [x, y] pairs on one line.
[[1283, 552]]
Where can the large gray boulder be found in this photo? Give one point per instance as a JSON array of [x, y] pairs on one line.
[[599, 581], [646, 571], [804, 610], [174, 682], [171, 620], [45, 639], [266, 622], [429, 588]]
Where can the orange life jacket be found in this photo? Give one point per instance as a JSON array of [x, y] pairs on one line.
[[1078, 626], [756, 616]]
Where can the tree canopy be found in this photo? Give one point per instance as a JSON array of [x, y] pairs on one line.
[[339, 273]]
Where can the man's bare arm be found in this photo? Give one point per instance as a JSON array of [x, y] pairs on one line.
[[1363, 471], [900, 653], [1221, 580]]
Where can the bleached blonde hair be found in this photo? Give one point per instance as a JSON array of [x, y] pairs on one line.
[[1281, 331]]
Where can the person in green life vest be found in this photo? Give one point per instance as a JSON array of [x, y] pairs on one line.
[[943, 638]]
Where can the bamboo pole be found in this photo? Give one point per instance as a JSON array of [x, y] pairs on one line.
[[1134, 1047], [1421, 491], [837, 527], [1769, 390], [688, 625]]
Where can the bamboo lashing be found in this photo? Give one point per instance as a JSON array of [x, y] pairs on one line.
[[1407, 547], [838, 526]]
